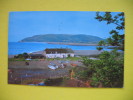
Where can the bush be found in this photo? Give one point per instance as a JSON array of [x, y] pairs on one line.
[[20, 56], [24, 55], [108, 70]]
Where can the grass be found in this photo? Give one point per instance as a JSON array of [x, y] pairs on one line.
[[21, 59], [94, 56], [68, 58], [51, 59], [16, 59], [31, 81]]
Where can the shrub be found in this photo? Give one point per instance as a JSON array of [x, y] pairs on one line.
[[108, 70]]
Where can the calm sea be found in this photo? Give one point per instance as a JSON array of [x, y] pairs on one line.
[[21, 47]]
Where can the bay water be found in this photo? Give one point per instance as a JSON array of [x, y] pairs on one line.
[[29, 47]]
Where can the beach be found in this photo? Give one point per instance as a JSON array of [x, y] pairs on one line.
[[75, 44], [87, 52]]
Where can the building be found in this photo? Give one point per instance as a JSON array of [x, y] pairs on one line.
[[36, 56], [59, 53]]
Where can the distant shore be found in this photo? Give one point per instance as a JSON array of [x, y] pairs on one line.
[[75, 44]]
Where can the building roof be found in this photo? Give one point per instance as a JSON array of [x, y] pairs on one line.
[[58, 50], [36, 55]]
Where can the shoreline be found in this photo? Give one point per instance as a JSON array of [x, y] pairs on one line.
[[64, 43], [76, 53], [75, 44]]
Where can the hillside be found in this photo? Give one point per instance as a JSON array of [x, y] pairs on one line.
[[80, 38]]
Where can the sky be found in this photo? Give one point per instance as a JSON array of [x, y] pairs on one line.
[[29, 23]]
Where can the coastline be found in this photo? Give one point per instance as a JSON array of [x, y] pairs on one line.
[[76, 52], [64, 43], [76, 44]]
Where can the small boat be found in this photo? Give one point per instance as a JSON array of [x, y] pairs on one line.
[[52, 67], [28, 59]]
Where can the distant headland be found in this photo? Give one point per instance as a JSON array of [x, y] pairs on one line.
[[66, 39]]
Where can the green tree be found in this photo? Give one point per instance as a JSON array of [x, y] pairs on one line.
[[20, 56], [101, 43], [110, 41], [108, 70], [99, 48], [25, 55], [116, 38]]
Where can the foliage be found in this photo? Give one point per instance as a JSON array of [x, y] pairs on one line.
[[14, 59], [116, 39], [117, 19], [101, 43], [108, 70], [82, 75], [99, 48], [20, 56], [24, 55], [86, 61]]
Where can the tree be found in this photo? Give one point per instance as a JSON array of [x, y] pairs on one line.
[[99, 48], [116, 39], [20, 56], [25, 55], [110, 41], [101, 43], [108, 70]]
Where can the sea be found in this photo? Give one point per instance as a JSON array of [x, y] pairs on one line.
[[29, 47]]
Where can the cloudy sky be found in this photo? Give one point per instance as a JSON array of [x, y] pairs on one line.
[[29, 23]]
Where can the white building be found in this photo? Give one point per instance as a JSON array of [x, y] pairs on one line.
[[59, 53]]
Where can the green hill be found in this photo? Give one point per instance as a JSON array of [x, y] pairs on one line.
[[80, 38]]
